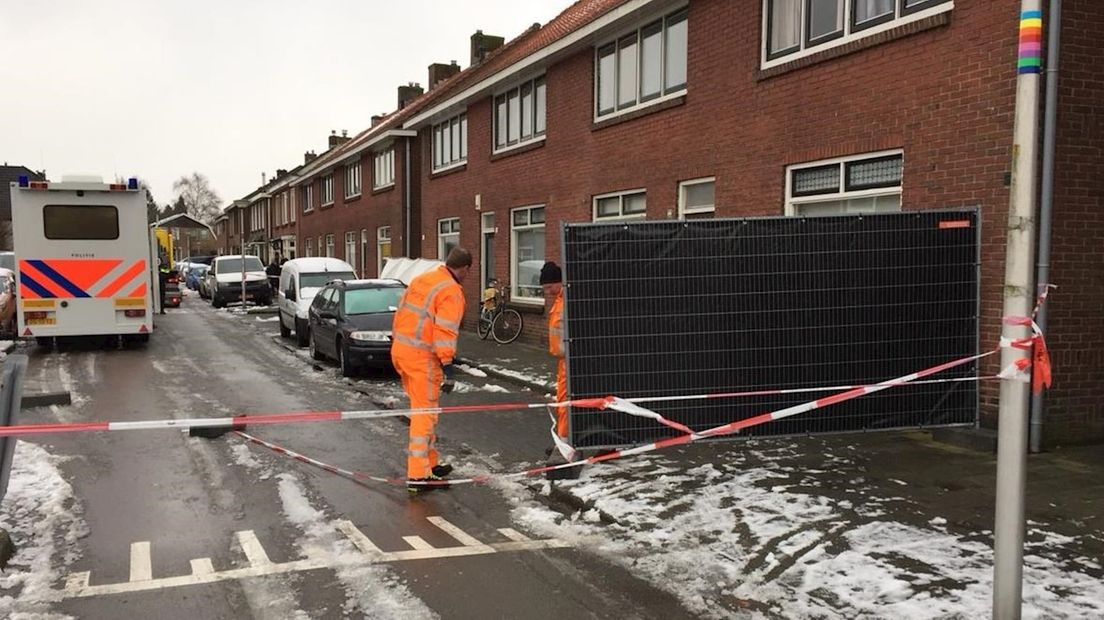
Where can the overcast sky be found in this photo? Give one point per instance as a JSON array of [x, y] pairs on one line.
[[230, 89]]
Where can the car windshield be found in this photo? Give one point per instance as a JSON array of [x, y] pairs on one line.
[[7, 260], [318, 280], [232, 265], [372, 300]]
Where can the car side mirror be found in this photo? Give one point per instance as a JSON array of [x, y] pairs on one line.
[[327, 314]]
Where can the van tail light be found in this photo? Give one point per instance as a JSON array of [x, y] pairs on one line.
[[135, 314]]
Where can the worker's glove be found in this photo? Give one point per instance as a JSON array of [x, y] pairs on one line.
[[449, 384]]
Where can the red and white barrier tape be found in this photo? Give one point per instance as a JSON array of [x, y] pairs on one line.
[[625, 406], [372, 414]]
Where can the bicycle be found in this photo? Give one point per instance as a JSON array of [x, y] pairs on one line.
[[503, 323]]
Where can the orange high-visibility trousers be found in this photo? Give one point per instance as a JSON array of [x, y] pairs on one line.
[[561, 396], [421, 379]]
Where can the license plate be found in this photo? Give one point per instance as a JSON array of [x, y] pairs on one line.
[[42, 322]]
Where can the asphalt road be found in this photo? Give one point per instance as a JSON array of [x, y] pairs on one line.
[[187, 527]]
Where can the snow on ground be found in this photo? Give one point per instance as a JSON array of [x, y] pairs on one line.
[[373, 590], [739, 536], [471, 370], [44, 522], [270, 319], [517, 374]]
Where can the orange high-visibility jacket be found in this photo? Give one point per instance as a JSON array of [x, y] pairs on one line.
[[555, 327], [427, 322]]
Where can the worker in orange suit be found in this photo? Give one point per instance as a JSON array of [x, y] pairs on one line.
[[551, 279], [425, 330]]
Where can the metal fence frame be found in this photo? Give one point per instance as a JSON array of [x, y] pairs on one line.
[[972, 212], [11, 396]]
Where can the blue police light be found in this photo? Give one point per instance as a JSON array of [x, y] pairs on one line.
[[24, 180], [132, 183]]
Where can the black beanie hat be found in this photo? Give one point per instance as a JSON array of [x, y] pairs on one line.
[[550, 273]]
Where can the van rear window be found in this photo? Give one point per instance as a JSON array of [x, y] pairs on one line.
[[80, 222]]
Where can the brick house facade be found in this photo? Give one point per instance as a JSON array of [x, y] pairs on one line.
[[666, 109]]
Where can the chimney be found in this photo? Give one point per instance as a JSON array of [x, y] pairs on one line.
[[376, 118], [336, 140], [263, 179], [482, 45], [439, 72], [308, 157], [280, 173], [409, 93]]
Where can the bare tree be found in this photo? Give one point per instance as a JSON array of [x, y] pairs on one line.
[[199, 199]]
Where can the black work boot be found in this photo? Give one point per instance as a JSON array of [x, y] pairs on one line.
[[442, 470]]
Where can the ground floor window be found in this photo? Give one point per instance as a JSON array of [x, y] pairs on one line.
[[696, 199], [526, 253], [448, 236], [383, 247], [350, 247], [869, 183], [628, 205]]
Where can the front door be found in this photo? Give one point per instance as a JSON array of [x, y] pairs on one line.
[[487, 250]]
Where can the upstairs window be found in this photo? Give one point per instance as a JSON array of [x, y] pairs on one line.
[[796, 28], [520, 114], [308, 198], [450, 142], [352, 179], [384, 169], [642, 66], [327, 190]]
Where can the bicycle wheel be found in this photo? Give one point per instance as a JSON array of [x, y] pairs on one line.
[[507, 326], [483, 328]]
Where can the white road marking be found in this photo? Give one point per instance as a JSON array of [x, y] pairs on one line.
[[140, 569], [418, 543], [460, 535], [358, 538], [77, 584], [254, 552], [513, 534], [202, 566]]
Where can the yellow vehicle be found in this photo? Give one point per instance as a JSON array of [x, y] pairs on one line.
[[164, 247]]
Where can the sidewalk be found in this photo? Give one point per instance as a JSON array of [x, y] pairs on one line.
[[881, 524], [519, 363]]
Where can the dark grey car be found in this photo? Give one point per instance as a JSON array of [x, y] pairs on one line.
[[350, 322]]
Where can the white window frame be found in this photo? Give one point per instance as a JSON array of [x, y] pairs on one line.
[[308, 246], [308, 197], [440, 138], [683, 210], [621, 216], [330, 245], [665, 93], [902, 14], [504, 98], [352, 179], [454, 232], [383, 169], [327, 192], [515, 295], [794, 202], [383, 235], [351, 242]]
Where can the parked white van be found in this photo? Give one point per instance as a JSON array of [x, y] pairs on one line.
[[300, 280]]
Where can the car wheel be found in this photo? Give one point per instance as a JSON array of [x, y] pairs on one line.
[[347, 368], [302, 332], [216, 302], [285, 331], [314, 353]]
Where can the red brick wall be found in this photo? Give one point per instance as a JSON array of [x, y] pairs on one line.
[[1075, 333], [367, 212], [944, 95]]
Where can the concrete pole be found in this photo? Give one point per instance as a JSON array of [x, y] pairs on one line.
[[1019, 297]]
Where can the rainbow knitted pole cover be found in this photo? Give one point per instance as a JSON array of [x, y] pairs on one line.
[[1031, 42]]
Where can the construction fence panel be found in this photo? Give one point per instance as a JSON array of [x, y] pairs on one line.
[[711, 306]]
